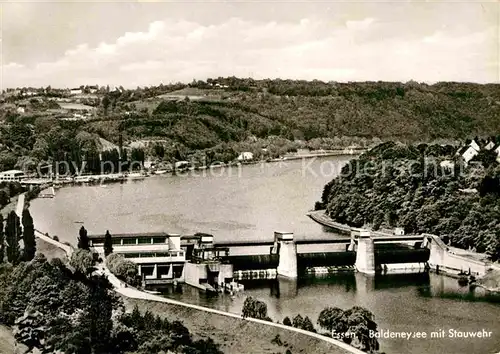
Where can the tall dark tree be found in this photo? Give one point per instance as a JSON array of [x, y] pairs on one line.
[[98, 323], [108, 244], [2, 240], [83, 239], [13, 235], [28, 236]]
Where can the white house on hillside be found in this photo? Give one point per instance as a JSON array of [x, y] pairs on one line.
[[245, 156], [490, 145], [497, 150], [474, 145], [468, 152]]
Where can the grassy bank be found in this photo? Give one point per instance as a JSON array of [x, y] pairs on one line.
[[236, 335], [49, 250]]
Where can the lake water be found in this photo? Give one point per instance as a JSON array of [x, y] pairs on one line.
[[250, 203]]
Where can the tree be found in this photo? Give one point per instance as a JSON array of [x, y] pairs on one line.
[[357, 322], [108, 244], [82, 261], [2, 240], [98, 323], [307, 325], [287, 322], [13, 235], [297, 321], [124, 269], [83, 240], [255, 309], [361, 323], [105, 104], [28, 236], [333, 319]]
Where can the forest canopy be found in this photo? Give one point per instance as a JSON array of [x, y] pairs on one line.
[[397, 185]]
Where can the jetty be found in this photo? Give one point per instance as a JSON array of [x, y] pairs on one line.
[[322, 218], [47, 193]]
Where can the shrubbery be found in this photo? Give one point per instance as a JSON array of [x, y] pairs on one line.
[[353, 326], [123, 269], [255, 309], [82, 261]]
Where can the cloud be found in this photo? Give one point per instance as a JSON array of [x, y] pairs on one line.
[[181, 50]]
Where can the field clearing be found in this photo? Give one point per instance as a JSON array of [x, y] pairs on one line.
[[77, 106], [236, 335], [151, 103], [195, 92]]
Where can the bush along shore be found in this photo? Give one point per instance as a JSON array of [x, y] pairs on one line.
[[354, 326], [422, 189]]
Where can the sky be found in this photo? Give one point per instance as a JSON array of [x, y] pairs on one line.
[[139, 43]]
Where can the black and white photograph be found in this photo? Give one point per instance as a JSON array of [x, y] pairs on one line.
[[249, 177]]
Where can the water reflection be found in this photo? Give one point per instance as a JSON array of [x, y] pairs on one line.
[[388, 281]]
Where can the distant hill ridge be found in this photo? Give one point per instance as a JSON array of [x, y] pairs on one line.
[[412, 111]]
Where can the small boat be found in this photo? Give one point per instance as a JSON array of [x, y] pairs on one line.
[[160, 172], [152, 292], [136, 176], [84, 179], [47, 193]]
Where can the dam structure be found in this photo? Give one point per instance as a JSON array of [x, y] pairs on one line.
[[362, 252], [200, 261]]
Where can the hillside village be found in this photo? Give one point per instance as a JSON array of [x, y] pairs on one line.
[[470, 151]]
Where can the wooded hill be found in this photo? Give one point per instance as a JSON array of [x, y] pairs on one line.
[[396, 185], [306, 110]]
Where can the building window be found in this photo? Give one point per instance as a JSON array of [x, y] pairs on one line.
[[129, 241], [144, 240], [158, 239], [147, 270]]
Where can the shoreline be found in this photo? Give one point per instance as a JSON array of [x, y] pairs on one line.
[[120, 177]]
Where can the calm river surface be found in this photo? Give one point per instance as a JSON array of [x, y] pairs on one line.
[[250, 203]]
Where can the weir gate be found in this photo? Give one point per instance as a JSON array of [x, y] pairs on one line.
[[289, 257]]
